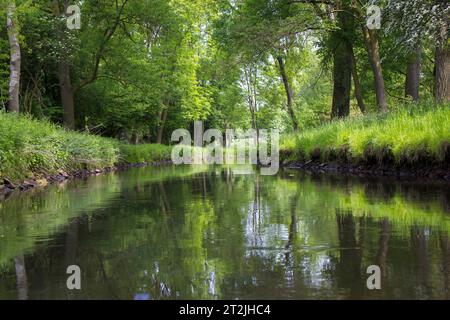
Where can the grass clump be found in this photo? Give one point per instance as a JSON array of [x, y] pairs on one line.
[[411, 135], [30, 147], [145, 153]]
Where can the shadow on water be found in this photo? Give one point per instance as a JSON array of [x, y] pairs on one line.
[[206, 233]]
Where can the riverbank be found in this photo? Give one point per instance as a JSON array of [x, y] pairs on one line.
[[413, 141], [36, 153], [7, 186], [389, 172]]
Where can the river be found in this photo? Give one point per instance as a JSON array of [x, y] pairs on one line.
[[206, 233]]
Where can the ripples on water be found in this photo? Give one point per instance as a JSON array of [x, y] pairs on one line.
[[179, 233]]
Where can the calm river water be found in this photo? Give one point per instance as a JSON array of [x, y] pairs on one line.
[[205, 233]]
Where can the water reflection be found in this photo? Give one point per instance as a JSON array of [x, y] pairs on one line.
[[175, 233]]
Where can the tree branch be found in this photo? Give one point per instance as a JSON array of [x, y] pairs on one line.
[[99, 55]]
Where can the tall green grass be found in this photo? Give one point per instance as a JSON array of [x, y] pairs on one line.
[[145, 153], [410, 135], [29, 147]]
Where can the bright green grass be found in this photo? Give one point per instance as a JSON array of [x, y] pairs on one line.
[[29, 147], [145, 153], [410, 134]]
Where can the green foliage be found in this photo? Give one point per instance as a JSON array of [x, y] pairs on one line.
[[169, 63], [145, 153]]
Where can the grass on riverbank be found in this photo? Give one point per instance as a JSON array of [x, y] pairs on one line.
[[145, 153], [29, 147], [413, 136]]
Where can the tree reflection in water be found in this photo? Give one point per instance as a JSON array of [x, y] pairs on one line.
[[174, 233]]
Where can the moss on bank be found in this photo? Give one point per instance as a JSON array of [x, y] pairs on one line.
[[410, 136], [29, 147]]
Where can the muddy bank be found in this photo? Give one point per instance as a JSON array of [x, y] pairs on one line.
[[411, 173], [8, 186]]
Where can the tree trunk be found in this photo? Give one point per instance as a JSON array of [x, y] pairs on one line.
[[14, 82], [419, 243], [289, 247], [413, 74], [251, 79], [348, 267], [72, 241], [342, 67], [373, 49], [289, 92], [341, 83], [357, 84], [385, 230], [65, 82], [135, 138], [445, 247], [162, 122], [21, 277], [442, 77], [67, 94]]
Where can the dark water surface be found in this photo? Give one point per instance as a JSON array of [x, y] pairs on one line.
[[182, 233]]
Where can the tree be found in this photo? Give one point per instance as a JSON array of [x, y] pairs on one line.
[[342, 60], [289, 92], [67, 88], [442, 61], [357, 83], [13, 35], [258, 29], [373, 49], [413, 70], [138, 69], [250, 83], [420, 22]]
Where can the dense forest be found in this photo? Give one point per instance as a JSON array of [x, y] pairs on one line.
[[137, 70]]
